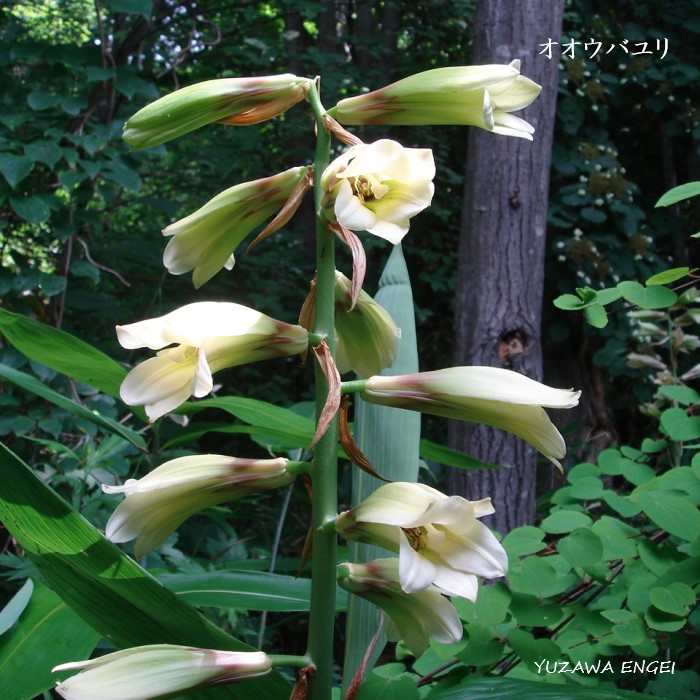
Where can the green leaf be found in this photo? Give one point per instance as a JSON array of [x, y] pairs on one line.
[[678, 194], [533, 575], [452, 458], [569, 302], [245, 590], [581, 548], [679, 426], [390, 438], [668, 276], [531, 612], [617, 537], [490, 607], [62, 352], [654, 297], [48, 633], [136, 7], [636, 472], [683, 394], [15, 168], [32, 209], [565, 521], [675, 598], [587, 488], [628, 628], [105, 587], [608, 296], [401, 687], [675, 514], [41, 100], [14, 608], [33, 385], [524, 540], [47, 152], [532, 650], [596, 315], [663, 621]]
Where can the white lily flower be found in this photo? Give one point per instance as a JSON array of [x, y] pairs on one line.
[[480, 96], [156, 671], [208, 337], [439, 539], [378, 187], [416, 617], [489, 395], [158, 503], [206, 240]]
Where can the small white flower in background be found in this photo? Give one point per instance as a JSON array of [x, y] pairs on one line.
[[231, 100], [378, 187], [158, 670], [208, 336], [416, 617], [205, 240], [439, 539], [482, 96], [489, 395], [159, 502]]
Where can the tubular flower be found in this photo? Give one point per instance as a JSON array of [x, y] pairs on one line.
[[159, 502], [208, 336], [367, 335], [378, 187], [231, 100], [158, 670], [205, 240], [482, 96], [489, 395], [439, 539], [416, 618]]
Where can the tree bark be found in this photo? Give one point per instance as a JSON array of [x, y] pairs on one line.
[[498, 306]]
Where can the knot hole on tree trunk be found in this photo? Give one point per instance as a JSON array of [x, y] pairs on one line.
[[510, 344]]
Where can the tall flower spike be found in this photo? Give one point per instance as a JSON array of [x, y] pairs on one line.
[[159, 502], [158, 670], [205, 240], [378, 187], [208, 336], [416, 618], [439, 539], [231, 100], [482, 96], [489, 395]]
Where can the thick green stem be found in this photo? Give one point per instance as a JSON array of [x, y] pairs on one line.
[[324, 469]]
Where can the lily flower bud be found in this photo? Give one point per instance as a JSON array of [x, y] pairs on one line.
[[489, 395], [482, 96], [416, 618], [205, 240], [231, 100], [158, 670], [208, 336], [158, 503], [378, 187], [439, 539]]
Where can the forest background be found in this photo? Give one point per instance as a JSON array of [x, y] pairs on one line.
[[81, 220]]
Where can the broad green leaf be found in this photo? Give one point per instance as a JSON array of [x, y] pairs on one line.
[[668, 276], [565, 521], [678, 194], [628, 628], [618, 538], [533, 575], [480, 649], [524, 540], [452, 458], [654, 297], [569, 302], [401, 687], [48, 633], [596, 315], [16, 605], [587, 488], [636, 472], [581, 548], [518, 689], [47, 152], [15, 168], [106, 588], [532, 650], [608, 296], [673, 513], [531, 612], [32, 209], [390, 438], [246, 590], [34, 386], [676, 598], [63, 352], [490, 607], [683, 394], [679, 426], [663, 621]]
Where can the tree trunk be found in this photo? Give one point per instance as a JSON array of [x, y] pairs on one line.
[[498, 306]]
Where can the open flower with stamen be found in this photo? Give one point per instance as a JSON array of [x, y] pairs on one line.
[[489, 395], [207, 337], [367, 335], [439, 539], [156, 671], [231, 100], [482, 96], [378, 187], [157, 504], [416, 617], [206, 240]]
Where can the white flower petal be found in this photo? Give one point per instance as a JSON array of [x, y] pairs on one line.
[[415, 572]]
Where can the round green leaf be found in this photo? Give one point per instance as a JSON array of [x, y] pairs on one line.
[[524, 540], [587, 488], [596, 315], [635, 472], [673, 513], [668, 276], [683, 394], [675, 598], [569, 302], [654, 297], [581, 548], [679, 426], [565, 521]]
